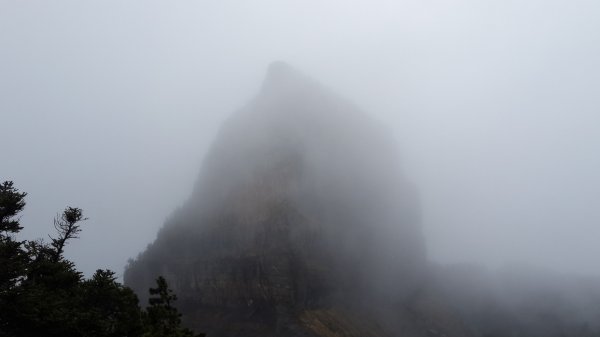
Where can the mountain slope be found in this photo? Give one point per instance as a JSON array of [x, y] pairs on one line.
[[301, 223]]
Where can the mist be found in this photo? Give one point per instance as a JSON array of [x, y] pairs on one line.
[[113, 106]]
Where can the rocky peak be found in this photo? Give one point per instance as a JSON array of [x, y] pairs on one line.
[[301, 223]]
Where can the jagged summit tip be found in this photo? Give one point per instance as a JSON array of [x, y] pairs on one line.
[[279, 68], [282, 77]]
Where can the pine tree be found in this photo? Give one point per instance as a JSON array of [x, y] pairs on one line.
[[162, 318], [43, 294]]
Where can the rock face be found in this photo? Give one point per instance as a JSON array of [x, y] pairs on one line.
[[301, 224]]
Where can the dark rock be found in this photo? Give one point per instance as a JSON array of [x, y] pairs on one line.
[[301, 224]]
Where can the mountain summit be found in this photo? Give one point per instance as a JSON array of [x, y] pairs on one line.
[[300, 221], [302, 224]]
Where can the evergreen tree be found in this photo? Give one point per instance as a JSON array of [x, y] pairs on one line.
[[11, 203], [113, 309], [13, 258], [162, 319], [43, 294]]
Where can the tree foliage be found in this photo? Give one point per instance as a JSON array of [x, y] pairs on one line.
[[11, 203], [162, 319], [67, 227], [43, 294]]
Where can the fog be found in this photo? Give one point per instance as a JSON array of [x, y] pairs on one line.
[[111, 106]]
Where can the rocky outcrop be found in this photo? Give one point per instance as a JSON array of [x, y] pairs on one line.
[[301, 223]]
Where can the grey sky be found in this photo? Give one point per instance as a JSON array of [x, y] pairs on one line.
[[111, 105]]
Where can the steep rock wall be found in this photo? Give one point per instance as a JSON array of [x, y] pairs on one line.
[[300, 224]]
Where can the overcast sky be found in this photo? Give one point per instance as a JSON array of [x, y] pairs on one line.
[[111, 105]]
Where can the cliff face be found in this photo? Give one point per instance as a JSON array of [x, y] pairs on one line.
[[301, 224]]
